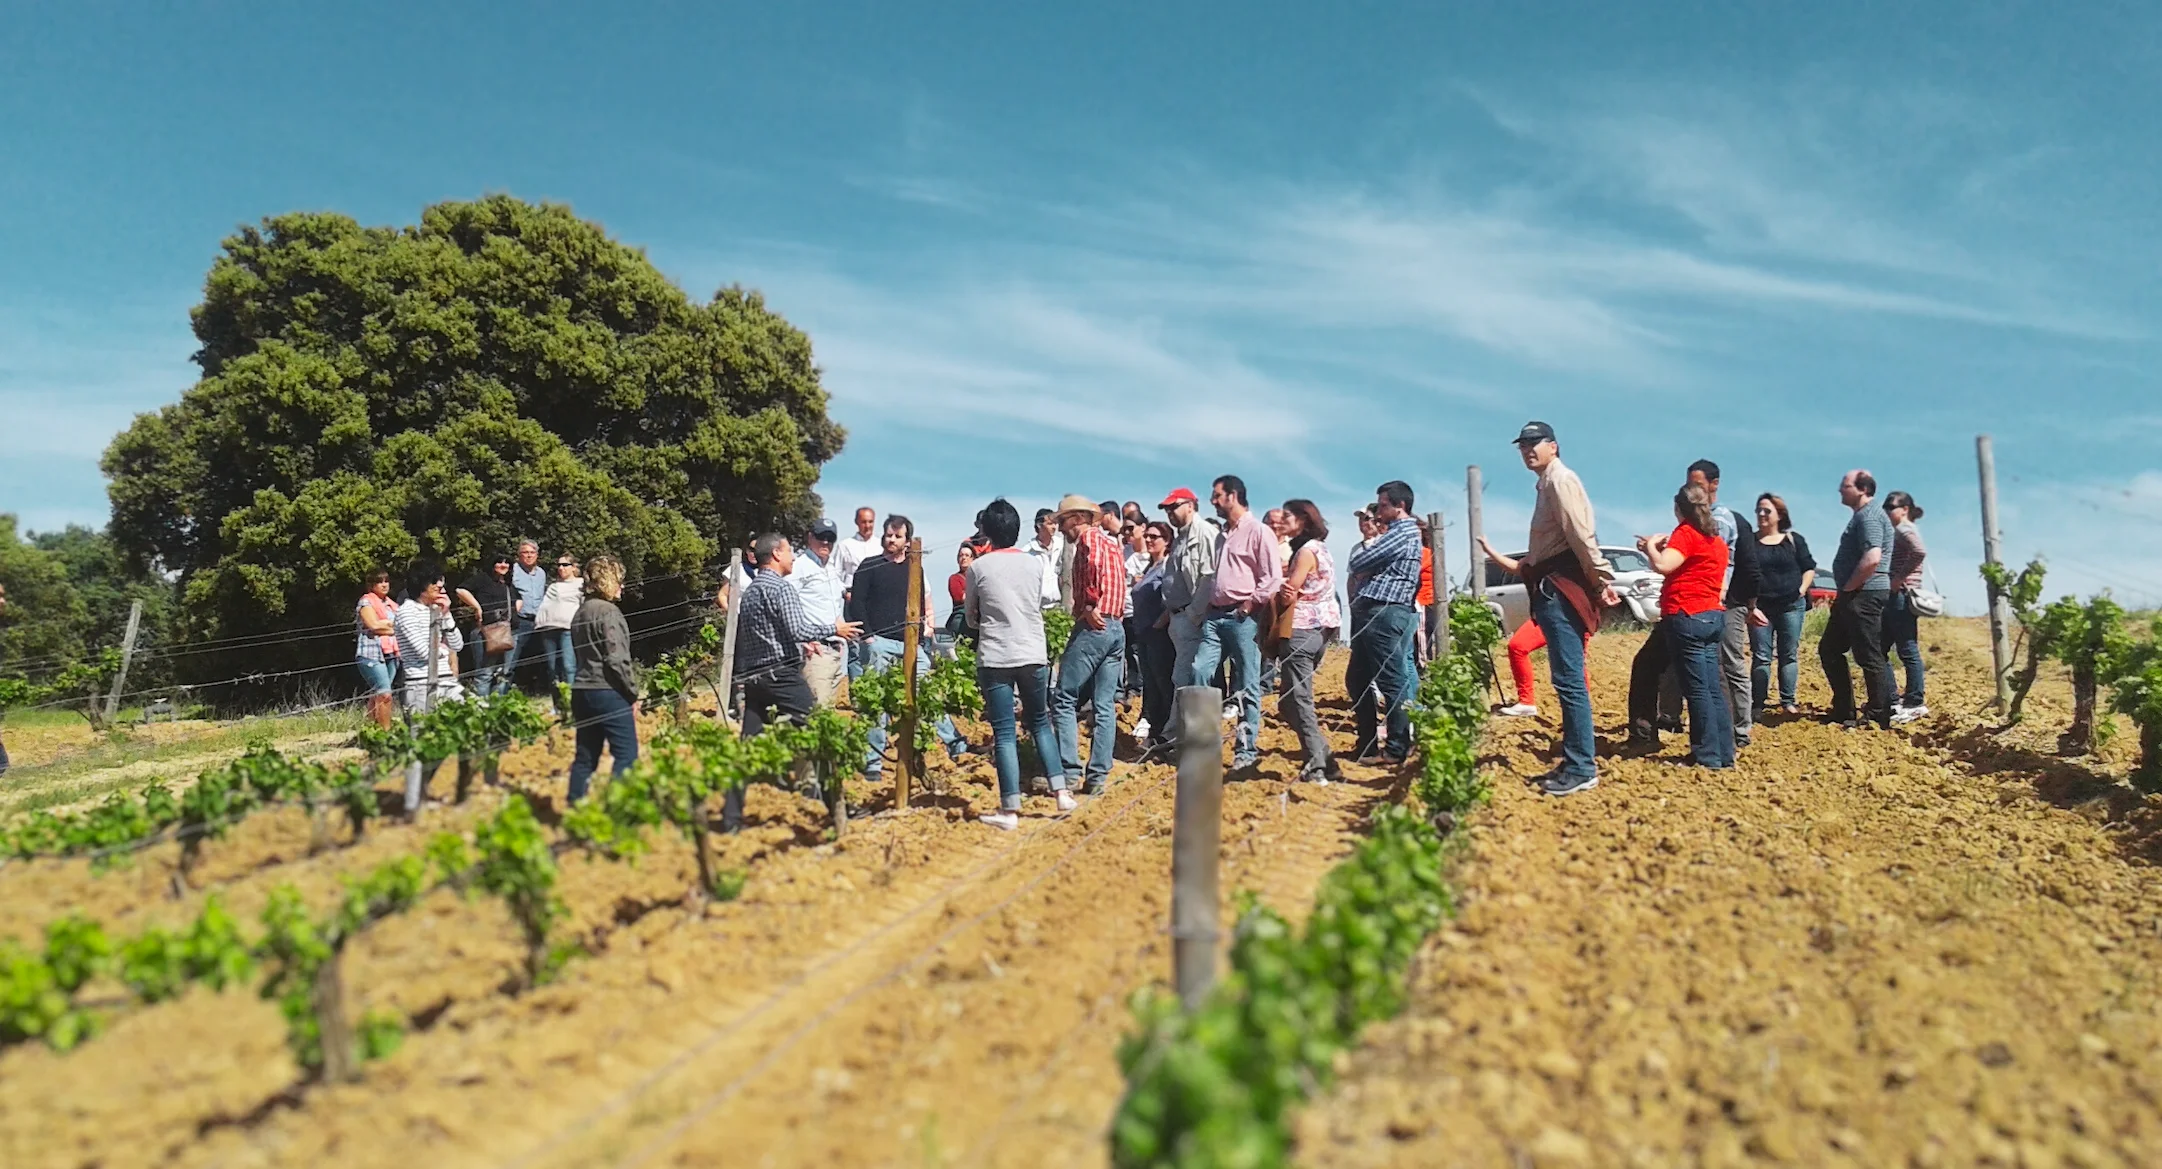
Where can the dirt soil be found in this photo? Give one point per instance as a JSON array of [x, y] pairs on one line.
[[1933, 946], [926, 990]]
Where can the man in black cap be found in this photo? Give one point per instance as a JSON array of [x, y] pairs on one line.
[[1567, 580], [818, 581]]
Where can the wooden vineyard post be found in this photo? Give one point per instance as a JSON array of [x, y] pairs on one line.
[[1474, 495], [2000, 608], [736, 582], [1196, 842], [911, 763], [334, 1033], [1437, 617], [127, 658]]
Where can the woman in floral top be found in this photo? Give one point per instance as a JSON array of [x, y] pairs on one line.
[[1310, 588]]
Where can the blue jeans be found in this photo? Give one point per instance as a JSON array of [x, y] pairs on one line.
[[1784, 635], [1693, 640], [603, 717], [1903, 635], [877, 654], [554, 644], [1565, 633], [1089, 671], [487, 673], [1228, 635], [377, 674], [1381, 653], [1030, 686]]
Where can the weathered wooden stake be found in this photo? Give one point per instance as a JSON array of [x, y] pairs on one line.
[[127, 657], [333, 1031], [736, 581], [1437, 617], [2000, 608], [1196, 841], [911, 761], [1474, 496]]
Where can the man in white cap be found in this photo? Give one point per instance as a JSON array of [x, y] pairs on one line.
[[1189, 578]]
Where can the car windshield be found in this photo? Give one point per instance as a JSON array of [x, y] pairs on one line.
[[1627, 560]]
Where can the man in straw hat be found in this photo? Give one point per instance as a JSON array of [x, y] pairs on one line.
[[1096, 653]]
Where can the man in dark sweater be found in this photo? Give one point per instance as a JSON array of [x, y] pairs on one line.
[[878, 601]]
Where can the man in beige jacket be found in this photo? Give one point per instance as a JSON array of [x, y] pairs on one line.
[[1567, 580]]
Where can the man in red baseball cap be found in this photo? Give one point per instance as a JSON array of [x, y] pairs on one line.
[[1189, 578]]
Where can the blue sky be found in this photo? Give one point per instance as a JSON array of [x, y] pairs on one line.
[[1117, 248]]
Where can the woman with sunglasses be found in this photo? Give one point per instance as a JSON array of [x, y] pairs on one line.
[[1152, 634], [1784, 569], [552, 621], [1902, 632]]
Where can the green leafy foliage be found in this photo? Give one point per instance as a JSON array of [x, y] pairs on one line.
[[2022, 593], [2089, 637], [670, 678], [1057, 630], [499, 369], [1212, 1088], [515, 863], [2135, 677]]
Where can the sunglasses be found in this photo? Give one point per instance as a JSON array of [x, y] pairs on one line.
[[1766, 511], [566, 564]]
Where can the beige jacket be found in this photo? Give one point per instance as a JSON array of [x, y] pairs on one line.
[[1562, 525]]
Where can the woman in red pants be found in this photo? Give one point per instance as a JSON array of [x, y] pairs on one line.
[[1527, 638]]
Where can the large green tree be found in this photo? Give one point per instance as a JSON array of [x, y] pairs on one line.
[[375, 395]]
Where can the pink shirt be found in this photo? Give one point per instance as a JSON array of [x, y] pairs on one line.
[[1247, 568]]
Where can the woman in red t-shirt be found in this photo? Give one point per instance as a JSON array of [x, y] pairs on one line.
[[1693, 559]]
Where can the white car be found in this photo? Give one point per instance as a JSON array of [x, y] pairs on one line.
[[1633, 579]]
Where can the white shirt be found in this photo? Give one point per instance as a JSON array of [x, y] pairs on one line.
[[850, 554], [1053, 559], [820, 586]]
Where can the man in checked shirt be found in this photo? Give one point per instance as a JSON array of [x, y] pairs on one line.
[[771, 634], [1096, 652]]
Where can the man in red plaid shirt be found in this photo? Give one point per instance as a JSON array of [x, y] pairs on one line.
[[1095, 656]]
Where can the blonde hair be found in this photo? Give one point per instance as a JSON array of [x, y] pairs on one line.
[[604, 576]]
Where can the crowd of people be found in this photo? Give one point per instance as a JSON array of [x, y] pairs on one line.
[[1243, 601]]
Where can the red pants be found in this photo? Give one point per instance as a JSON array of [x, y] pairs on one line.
[[1528, 637]]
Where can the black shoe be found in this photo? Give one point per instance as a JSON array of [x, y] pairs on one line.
[[1668, 723]]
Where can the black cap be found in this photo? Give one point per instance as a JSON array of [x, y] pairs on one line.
[[1534, 432], [825, 530]]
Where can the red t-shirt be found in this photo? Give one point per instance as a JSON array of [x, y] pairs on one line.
[[957, 586], [1696, 586]]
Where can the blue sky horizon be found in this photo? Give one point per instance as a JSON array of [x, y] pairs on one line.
[[1129, 248]]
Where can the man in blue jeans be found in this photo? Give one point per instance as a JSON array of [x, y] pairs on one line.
[[1248, 575], [1384, 620], [1095, 657], [1569, 581], [878, 603]]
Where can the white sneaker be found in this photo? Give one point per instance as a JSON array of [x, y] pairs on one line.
[[1908, 714], [1066, 802], [1519, 710], [1231, 713], [1003, 821], [1141, 730]]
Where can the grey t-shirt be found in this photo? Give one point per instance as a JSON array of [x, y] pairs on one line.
[[1004, 601], [1869, 528]]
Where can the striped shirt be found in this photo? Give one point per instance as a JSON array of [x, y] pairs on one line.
[[411, 624], [1099, 574], [774, 625], [1390, 564]]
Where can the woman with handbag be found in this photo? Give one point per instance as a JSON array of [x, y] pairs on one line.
[[552, 621], [492, 599], [1902, 631], [1309, 600]]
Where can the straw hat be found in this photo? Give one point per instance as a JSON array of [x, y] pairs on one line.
[[1074, 503]]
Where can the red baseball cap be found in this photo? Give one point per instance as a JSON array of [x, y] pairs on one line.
[[1179, 495]]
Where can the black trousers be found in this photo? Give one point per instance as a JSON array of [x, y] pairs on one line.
[[1857, 627], [777, 692], [1157, 656], [1647, 673]]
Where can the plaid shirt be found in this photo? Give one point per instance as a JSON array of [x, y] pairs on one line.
[[774, 625], [1099, 574], [1390, 564]]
